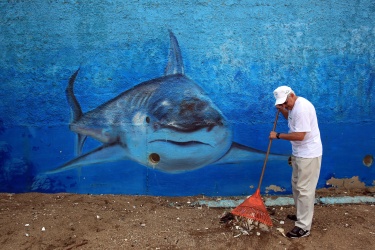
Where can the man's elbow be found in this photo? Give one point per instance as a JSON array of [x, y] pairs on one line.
[[300, 136]]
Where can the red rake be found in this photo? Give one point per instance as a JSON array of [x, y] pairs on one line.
[[253, 207]]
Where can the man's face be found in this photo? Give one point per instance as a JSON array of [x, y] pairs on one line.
[[289, 102]]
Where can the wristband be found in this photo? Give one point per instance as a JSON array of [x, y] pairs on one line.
[[278, 135]]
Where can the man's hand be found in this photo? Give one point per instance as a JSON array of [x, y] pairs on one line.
[[280, 107], [282, 110], [273, 135]]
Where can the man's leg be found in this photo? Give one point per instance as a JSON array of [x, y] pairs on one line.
[[294, 181], [305, 178]]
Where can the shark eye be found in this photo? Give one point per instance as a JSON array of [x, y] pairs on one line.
[[154, 158], [148, 119]]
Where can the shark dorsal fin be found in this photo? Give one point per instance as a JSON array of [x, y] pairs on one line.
[[175, 64]]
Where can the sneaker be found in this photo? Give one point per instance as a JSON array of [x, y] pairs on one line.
[[292, 217], [298, 232]]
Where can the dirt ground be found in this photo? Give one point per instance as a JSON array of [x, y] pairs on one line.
[[71, 221]]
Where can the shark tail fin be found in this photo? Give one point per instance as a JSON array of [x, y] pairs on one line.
[[75, 109], [175, 64], [80, 140]]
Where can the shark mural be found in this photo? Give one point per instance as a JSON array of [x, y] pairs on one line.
[[167, 123]]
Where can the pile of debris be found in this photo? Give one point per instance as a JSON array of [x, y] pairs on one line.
[[243, 226]]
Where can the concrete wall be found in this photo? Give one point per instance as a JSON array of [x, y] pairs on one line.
[[237, 52]]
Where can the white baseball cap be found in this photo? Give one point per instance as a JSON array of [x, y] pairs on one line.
[[281, 93]]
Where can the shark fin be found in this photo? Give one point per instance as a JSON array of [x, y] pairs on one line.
[[175, 64], [105, 153], [76, 111], [80, 140], [239, 153]]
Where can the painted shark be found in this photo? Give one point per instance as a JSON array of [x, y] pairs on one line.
[[167, 123]]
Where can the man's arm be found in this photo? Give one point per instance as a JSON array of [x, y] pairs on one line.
[[295, 136]]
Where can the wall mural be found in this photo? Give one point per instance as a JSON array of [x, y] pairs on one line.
[[151, 115], [167, 123]]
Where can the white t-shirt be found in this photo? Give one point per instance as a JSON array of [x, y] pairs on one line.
[[302, 118]]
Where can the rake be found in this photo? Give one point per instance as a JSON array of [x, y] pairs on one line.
[[253, 207]]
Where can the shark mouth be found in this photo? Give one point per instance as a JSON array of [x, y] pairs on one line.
[[189, 127], [154, 158], [185, 143]]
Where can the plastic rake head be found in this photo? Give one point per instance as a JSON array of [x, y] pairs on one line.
[[254, 208]]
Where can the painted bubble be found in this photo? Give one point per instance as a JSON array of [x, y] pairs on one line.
[[368, 160]]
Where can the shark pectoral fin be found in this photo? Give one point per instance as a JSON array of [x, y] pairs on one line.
[[106, 153], [239, 153]]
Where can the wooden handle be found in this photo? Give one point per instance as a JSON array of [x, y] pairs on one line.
[[268, 150]]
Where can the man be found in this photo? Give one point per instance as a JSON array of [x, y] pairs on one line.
[[307, 149]]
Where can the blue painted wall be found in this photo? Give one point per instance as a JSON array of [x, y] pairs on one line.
[[237, 51]]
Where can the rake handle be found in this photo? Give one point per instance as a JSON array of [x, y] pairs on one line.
[[268, 151]]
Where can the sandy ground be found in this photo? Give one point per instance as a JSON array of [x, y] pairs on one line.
[[71, 221]]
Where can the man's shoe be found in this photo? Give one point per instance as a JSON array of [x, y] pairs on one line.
[[297, 232], [292, 217]]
